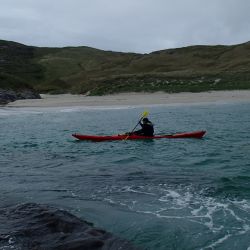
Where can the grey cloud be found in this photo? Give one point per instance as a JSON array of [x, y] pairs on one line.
[[125, 25]]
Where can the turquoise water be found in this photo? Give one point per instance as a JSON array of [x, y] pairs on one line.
[[162, 194]]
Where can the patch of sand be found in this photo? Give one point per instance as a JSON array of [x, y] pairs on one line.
[[124, 99]]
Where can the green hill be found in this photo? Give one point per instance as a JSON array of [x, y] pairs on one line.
[[98, 72]]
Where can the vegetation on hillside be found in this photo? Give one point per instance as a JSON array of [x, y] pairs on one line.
[[97, 72]]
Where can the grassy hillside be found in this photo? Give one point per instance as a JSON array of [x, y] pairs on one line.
[[98, 72]]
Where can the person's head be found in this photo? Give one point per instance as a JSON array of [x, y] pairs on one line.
[[145, 120]]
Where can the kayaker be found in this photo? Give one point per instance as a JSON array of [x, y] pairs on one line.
[[147, 128]]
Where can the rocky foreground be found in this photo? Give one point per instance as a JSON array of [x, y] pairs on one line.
[[41, 227], [7, 96]]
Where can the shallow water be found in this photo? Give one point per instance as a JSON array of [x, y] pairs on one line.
[[162, 194]]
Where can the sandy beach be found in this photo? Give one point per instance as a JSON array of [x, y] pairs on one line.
[[124, 99]]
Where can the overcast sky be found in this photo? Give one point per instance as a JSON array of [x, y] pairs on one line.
[[125, 25]]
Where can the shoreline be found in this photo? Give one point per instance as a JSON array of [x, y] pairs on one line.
[[132, 99]]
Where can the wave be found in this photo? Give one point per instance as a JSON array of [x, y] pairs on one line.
[[222, 219]]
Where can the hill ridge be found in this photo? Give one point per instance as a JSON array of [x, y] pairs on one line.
[[84, 69]]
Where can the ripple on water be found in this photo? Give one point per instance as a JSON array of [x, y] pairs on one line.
[[216, 217], [164, 194]]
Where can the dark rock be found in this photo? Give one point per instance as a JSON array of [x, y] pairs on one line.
[[3, 101], [41, 227], [7, 96], [27, 94]]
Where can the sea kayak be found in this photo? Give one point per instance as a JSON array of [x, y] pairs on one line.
[[97, 138]]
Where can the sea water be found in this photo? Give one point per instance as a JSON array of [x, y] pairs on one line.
[[159, 194]]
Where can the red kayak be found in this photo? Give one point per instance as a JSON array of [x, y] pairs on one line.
[[195, 134]]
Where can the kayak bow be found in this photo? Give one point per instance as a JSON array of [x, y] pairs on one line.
[[194, 134]]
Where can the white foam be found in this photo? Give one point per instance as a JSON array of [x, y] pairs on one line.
[[197, 211], [186, 204], [10, 111], [7, 111], [218, 242], [109, 200], [130, 189]]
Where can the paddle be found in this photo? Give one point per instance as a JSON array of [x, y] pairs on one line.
[[144, 114]]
